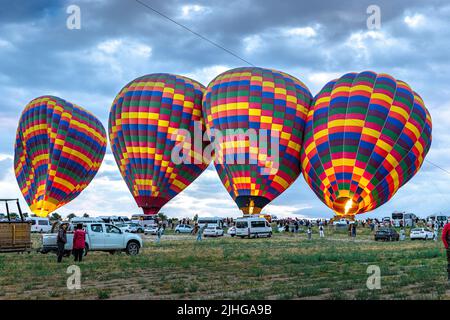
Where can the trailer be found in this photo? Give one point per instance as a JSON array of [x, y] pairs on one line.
[[15, 236]]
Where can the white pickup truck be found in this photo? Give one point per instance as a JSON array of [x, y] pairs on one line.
[[99, 237]]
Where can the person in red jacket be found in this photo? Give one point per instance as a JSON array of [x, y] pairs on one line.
[[79, 242], [446, 241]]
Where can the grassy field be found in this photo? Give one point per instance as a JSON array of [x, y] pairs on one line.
[[286, 266]]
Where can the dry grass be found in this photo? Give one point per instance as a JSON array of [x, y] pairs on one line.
[[283, 267]]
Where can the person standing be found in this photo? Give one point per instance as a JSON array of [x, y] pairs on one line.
[[195, 229], [321, 232], [353, 228], [436, 231], [446, 241], [402, 234], [61, 240], [79, 242], [159, 233], [309, 232], [200, 232]]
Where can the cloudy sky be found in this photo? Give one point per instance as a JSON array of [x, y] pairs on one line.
[[316, 41]]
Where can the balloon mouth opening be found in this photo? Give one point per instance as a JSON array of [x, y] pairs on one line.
[[42, 208], [151, 210], [151, 205], [251, 204], [345, 206]]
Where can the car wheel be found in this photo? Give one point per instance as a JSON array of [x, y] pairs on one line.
[[132, 248], [232, 235], [86, 249], [270, 235], [178, 231]]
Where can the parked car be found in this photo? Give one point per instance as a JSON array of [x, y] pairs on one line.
[[83, 220], [421, 233], [144, 220], [99, 237], [151, 230], [183, 228], [41, 225], [130, 227], [387, 234], [340, 223], [114, 219], [232, 231], [253, 227], [213, 231]]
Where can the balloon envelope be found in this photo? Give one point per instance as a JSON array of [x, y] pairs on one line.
[[254, 109], [59, 149], [146, 121], [367, 134]]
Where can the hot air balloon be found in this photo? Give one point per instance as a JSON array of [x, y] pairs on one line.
[[59, 149], [367, 135], [144, 122], [245, 103]]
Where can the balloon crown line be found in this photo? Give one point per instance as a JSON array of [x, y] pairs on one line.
[[357, 141]]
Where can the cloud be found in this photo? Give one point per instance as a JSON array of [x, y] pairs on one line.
[[316, 42], [415, 20], [192, 11]]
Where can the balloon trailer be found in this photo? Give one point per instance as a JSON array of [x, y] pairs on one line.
[[15, 236]]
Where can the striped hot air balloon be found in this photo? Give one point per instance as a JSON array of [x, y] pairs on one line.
[[258, 102], [59, 149], [367, 134], [146, 121]]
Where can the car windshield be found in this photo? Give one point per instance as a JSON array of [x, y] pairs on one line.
[[416, 230]]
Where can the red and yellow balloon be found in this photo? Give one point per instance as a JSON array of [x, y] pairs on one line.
[[59, 149]]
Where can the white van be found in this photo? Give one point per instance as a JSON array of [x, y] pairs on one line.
[[253, 227], [210, 221], [143, 220], [41, 225]]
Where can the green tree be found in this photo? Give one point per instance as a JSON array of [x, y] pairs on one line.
[[162, 216], [196, 217], [55, 216], [71, 216], [85, 215]]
